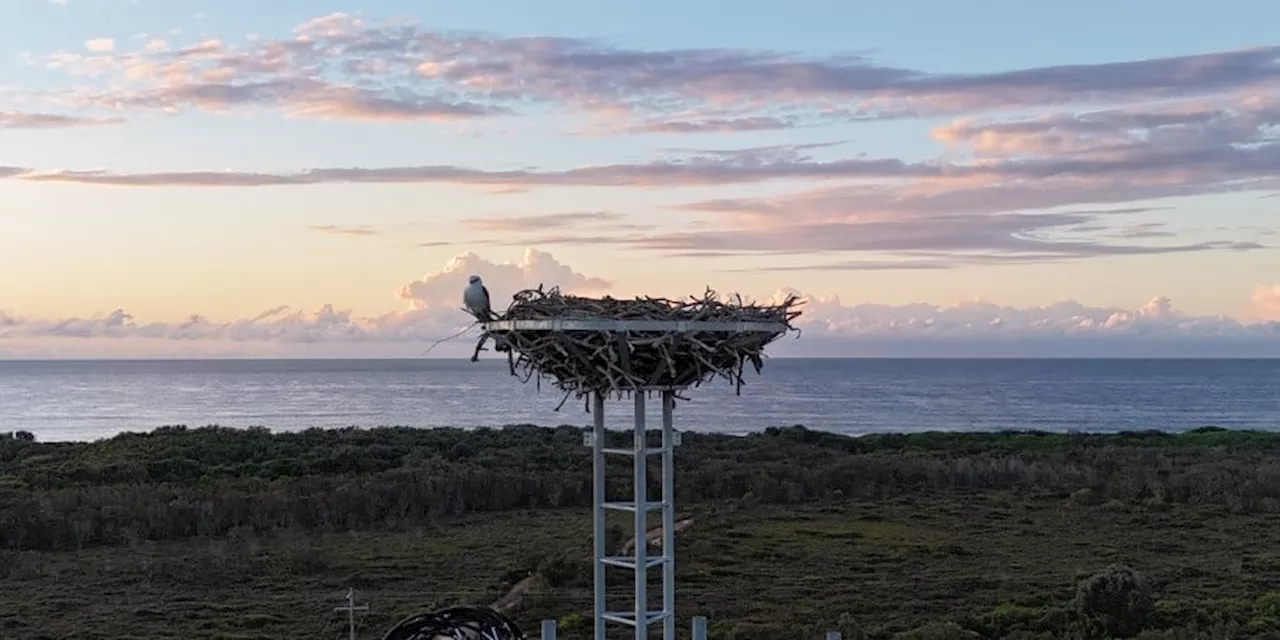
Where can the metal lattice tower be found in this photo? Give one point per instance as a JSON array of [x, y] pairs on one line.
[[641, 617]]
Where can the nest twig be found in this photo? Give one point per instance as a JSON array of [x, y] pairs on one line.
[[581, 362]]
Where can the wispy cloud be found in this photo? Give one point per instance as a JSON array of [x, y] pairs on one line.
[[1163, 153], [912, 260], [657, 174], [543, 221], [1006, 200], [712, 125], [306, 97], [339, 230], [18, 120], [396, 70], [1003, 189], [1025, 237]]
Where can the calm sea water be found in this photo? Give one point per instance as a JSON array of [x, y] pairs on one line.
[[85, 400]]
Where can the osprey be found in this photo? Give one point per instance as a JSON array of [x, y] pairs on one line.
[[476, 300]]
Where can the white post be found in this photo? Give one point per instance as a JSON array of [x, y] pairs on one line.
[[641, 505], [351, 610], [699, 628], [598, 513], [548, 630], [668, 516], [833, 635]]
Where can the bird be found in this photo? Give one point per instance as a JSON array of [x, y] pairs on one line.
[[476, 300]]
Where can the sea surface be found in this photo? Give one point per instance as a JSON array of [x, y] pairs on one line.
[[88, 400]]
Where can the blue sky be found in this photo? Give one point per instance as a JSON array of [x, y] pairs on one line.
[[889, 162]]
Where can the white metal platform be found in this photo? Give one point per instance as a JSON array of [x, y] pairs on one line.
[[609, 325]]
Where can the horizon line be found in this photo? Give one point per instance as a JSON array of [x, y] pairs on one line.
[[4, 359]]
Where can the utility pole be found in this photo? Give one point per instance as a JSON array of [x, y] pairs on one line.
[[351, 610]]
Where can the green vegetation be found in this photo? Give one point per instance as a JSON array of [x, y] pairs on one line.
[[204, 533]]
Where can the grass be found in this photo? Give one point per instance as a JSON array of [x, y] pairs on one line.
[[927, 554]]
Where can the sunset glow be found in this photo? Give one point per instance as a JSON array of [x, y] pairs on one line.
[[190, 178]]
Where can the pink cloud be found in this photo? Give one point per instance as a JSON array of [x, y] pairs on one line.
[[339, 230], [100, 45], [1191, 125], [441, 289], [544, 221], [216, 90], [17, 120], [398, 69], [1003, 208], [981, 319], [712, 125], [1266, 302]]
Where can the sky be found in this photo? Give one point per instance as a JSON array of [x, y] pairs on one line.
[[189, 178]]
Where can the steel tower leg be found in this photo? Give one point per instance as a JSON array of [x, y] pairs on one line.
[[598, 513], [639, 474], [668, 516]]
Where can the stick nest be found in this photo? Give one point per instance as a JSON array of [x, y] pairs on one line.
[[618, 362]]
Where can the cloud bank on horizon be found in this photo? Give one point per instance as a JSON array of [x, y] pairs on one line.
[[1042, 165], [828, 326]]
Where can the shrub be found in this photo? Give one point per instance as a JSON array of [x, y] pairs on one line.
[[1118, 600], [1268, 605], [938, 631]]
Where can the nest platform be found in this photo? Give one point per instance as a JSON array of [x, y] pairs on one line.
[[611, 346]]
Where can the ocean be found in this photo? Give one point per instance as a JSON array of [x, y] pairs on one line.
[[88, 400]]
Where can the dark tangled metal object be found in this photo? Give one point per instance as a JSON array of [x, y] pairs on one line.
[[457, 623]]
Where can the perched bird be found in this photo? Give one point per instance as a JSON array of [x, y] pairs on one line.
[[476, 300]]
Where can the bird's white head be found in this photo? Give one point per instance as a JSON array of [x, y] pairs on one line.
[[474, 280]]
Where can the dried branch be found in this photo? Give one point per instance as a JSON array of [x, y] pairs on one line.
[[582, 362]]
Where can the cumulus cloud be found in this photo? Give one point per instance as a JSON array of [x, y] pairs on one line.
[[433, 312], [830, 326], [100, 45], [441, 289], [1063, 329], [1266, 302], [281, 324]]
